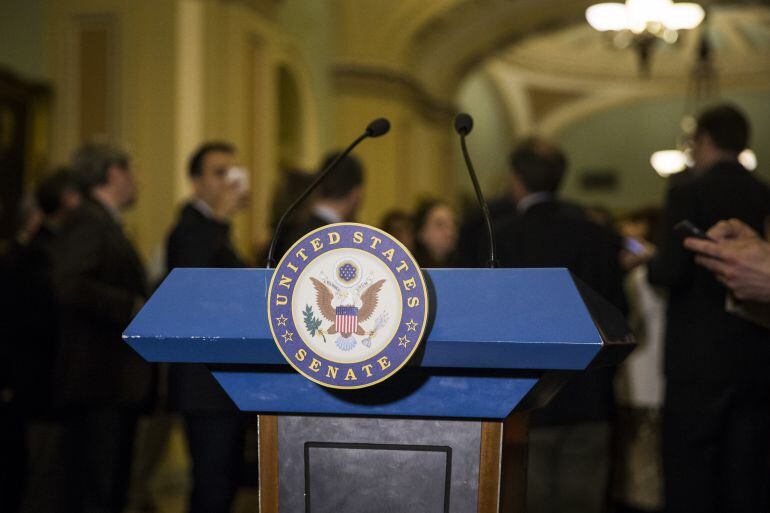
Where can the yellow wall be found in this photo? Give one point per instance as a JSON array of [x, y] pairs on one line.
[[140, 89], [411, 161], [174, 73], [178, 72]]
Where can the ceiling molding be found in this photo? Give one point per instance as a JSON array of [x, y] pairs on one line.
[[381, 81], [445, 50], [266, 8], [545, 101]]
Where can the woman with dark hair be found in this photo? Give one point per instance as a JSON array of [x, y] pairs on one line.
[[435, 226], [400, 225], [639, 385]]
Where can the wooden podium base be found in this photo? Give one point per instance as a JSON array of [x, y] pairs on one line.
[[368, 465]]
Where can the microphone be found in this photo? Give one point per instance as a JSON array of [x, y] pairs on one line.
[[376, 128], [463, 126]]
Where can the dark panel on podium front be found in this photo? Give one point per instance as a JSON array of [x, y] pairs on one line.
[[368, 465], [395, 477]]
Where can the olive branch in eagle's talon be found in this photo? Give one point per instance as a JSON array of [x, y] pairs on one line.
[[312, 323]]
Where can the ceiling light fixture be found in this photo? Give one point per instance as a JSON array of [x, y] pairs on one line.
[[642, 23], [671, 162]]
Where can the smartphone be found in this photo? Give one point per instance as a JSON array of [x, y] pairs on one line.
[[687, 229], [239, 177], [634, 246]]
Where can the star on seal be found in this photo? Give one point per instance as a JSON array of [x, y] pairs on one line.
[[288, 336], [411, 325], [403, 341], [282, 320]]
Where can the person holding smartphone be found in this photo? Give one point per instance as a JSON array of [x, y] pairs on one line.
[[738, 257], [201, 238], [716, 412]]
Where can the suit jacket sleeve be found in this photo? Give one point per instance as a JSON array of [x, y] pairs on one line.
[[197, 246], [598, 265], [287, 240], [674, 265], [76, 271]]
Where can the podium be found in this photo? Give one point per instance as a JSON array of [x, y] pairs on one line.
[[447, 433]]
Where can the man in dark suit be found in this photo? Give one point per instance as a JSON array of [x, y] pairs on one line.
[[716, 415], [473, 244], [36, 322], [37, 317], [99, 282], [201, 238], [12, 418], [570, 438], [339, 197]]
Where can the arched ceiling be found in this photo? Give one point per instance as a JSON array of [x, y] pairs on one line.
[[377, 32], [553, 78], [442, 50], [441, 41], [436, 42], [739, 36]]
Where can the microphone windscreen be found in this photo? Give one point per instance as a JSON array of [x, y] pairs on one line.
[[463, 123], [378, 127]]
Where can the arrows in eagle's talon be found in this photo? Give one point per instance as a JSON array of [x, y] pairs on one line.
[[368, 340]]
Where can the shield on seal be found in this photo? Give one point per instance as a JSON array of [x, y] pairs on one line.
[[346, 320]]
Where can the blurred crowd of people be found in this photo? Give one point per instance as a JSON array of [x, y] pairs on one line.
[[688, 436]]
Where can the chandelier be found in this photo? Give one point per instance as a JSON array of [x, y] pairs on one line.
[[642, 23]]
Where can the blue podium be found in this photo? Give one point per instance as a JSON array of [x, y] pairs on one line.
[[447, 433]]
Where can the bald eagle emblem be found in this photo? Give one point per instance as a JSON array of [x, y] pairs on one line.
[[347, 306], [346, 309]]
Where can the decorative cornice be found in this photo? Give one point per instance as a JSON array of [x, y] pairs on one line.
[[266, 8], [383, 81], [14, 84]]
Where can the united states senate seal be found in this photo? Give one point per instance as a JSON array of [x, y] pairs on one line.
[[347, 305]]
